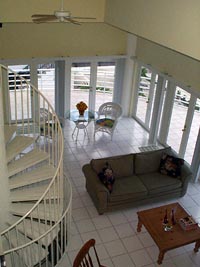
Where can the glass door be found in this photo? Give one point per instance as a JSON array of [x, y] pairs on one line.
[[20, 93], [178, 127], [46, 81], [193, 134], [146, 95], [80, 83], [105, 83]]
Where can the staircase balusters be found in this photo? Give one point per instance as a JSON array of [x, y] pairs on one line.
[[27, 105]]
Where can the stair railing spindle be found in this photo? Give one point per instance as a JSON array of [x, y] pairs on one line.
[[48, 208], [28, 109], [15, 98]]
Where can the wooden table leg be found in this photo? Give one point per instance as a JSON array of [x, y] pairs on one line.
[[197, 246], [160, 257], [139, 226]]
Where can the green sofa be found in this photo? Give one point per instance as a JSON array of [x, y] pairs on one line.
[[137, 180]]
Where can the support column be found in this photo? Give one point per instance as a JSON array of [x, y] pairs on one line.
[[157, 110], [93, 82], [167, 112], [119, 80], [60, 89], [128, 74], [4, 188]]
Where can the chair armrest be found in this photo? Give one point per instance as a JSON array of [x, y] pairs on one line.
[[92, 178], [186, 177], [97, 191]]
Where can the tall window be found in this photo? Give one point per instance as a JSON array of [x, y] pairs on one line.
[[105, 83], [20, 95], [146, 95], [80, 83], [180, 112], [193, 133], [46, 81]]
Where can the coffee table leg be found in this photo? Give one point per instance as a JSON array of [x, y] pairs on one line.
[[197, 246], [139, 226], [160, 257]]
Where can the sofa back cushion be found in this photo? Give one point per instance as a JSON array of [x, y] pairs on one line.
[[122, 166], [147, 162]]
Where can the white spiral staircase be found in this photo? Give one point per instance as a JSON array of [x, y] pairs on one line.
[[37, 231]]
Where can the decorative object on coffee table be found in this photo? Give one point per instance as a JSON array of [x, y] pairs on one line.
[[165, 220], [81, 106], [166, 225], [173, 217], [188, 223], [152, 219]]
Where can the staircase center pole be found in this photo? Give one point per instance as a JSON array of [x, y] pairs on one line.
[[4, 186]]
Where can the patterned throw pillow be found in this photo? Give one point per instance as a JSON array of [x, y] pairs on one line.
[[171, 166], [106, 177]]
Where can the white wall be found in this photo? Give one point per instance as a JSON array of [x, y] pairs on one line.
[[19, 40], [173, 24], [180, 67]]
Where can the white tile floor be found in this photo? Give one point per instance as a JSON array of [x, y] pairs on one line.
[[118, 243]]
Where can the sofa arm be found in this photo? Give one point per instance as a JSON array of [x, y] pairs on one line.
[[186, 177], [98, 192]]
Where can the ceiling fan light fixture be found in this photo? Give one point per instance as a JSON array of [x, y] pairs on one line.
[[62, 14]]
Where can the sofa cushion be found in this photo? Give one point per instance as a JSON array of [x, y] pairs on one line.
[[127, 188], [148, 162], [122, 165], [158, 183]]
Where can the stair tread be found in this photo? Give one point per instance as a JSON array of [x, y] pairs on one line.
[[39, 174], [32, 193], [17, 145], [32, 254], [34, 229], [9, 131], [20, 209], [28, 160]]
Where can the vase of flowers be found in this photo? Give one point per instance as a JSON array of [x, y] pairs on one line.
[[81, 106]]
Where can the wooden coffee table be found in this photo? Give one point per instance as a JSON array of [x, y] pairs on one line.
[[152, 219]]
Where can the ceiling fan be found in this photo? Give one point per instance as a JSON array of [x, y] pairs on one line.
[[59, 15]]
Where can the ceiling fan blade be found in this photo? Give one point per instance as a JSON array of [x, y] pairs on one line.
[[72, 21], [82, 18], [41, 16], [44, 19]]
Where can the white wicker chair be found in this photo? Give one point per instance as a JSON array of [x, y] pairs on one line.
[[108, 116]]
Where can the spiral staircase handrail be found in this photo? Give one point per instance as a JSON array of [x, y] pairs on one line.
[[57, 175], [46, 233]]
